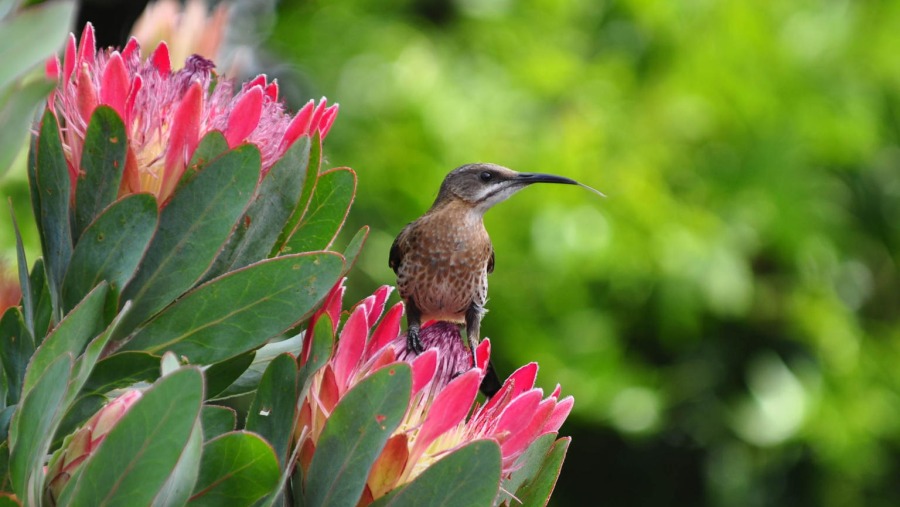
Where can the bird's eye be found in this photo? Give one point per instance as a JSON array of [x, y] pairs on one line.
[[486, 176]]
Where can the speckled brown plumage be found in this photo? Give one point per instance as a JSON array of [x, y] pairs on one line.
[[442, 261]]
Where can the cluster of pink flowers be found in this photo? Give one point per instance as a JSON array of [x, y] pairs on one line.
[[167, 112], [443, 414]]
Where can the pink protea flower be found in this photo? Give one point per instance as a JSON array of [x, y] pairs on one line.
[[80, 445], [445, 380], [167, 112]]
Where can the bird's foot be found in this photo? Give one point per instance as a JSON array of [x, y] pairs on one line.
[[413, 343]]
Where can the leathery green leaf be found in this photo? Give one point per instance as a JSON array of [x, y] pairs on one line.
[[465, 477], [16, 348], [192, 228], [239, 311], [217, 420], [33, 426], [102, 166], [237, 469], [275, 199], [273, 412], [54, 187], [326, 213], [71, 335], [111, 247], [537, 491], [354, 436], [143, 449]]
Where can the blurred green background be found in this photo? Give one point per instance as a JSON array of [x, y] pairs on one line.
[[728, 319]]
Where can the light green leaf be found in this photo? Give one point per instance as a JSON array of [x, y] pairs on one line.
[[466, 477], [354, 436], [327, 211], [239, 311], [111, 247], [237, 469], [141, 452], [192, 228], [102, 167], [32, 36]]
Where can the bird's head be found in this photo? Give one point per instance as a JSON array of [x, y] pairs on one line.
[[483, 185]]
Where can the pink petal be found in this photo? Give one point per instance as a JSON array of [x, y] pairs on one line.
[[114, 84], [131, 47], [87, 48], [448, 409], [517, 414], [423, 368], [272, 91], [299, 125], [350, 347], [69, 59], [136, 84], [560, 413], [328, 121], [521, 380], [367, 303], [555, 393], [51, 67], [160, 59], [385, 358], [519, 440], [183, 137], [244, 117], [381, 296], [483, 354], [388, 329], [317, 115], [86, 96], [259, 80]]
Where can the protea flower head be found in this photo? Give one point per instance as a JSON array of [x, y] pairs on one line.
[[81, 444], [443, 414], [167, 112]]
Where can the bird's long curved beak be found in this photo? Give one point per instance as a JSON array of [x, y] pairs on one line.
[[529, 178]]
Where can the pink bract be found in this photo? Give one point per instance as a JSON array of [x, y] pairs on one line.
[[167, 112]]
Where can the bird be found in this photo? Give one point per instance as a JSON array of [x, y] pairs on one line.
[[442, 259]]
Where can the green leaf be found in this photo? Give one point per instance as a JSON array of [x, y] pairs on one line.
[[237, 469], [192, 228], [17, 106], [122, 370], [217, 420], [16, 348], [33, 427], [5, 485], [222, 374], [111, 247], [53, 185], [319, 353], [526, 466], [71, 335], [40, 295], [240, 310], [468, 476], [355, 434], [24, 280], [30, 37], [537, 491], [309, 184], [327, 211], [102, 167], [275, 199], [212, 146], [351, 253], [177, 489], [143, 448], [273, 412]]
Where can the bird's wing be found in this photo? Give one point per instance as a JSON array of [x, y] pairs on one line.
[[490, 266], [396, 255]]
